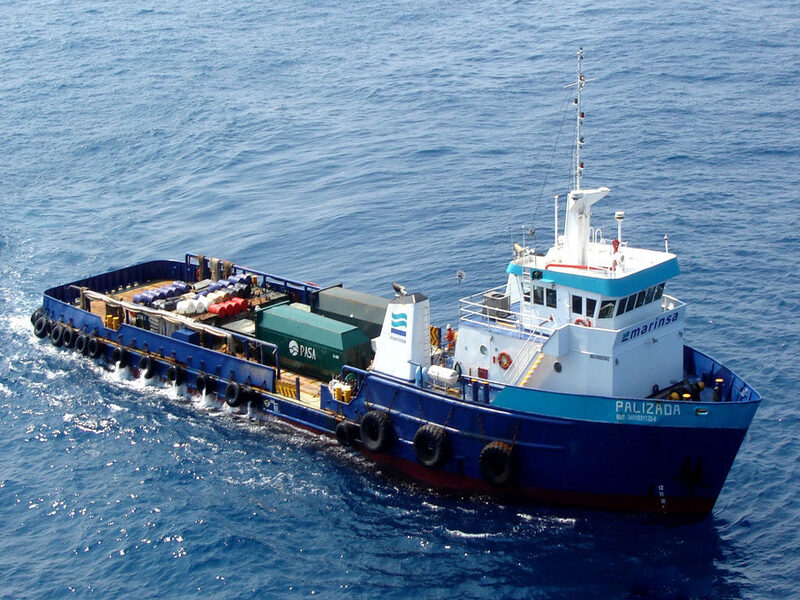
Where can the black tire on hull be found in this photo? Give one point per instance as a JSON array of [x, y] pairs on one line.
[[68, 337], [376, 431], [147, 366], [118, 356], [94, 347], [57, 335], [82, 344], [234, 395], [202, 382], [431, 446], [36, 314], [497, 463], [346, 433], [175, 375], [42, 327]]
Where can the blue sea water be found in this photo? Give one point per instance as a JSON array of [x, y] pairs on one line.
[[368, 143]]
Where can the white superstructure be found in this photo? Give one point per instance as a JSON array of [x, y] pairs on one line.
[[587, 317]]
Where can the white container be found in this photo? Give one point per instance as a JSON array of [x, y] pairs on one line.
[[443, 376]]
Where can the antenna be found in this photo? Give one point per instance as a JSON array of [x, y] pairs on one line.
[[555, 229], [579, 82]]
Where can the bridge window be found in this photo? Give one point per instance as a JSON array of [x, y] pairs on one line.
[[606, 309], [621, 307], [659, 292], [577, 305], [631, 303], [640, 298], [538, 294], [551, 298], [650, 292], [591, 305]]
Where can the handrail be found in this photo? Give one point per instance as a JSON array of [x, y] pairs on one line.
[[523, 357], [472, 311]]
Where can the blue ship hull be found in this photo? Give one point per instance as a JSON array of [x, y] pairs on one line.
[[651, 455]]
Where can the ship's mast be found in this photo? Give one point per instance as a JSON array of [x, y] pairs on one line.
[[577, 221], [580, 81]]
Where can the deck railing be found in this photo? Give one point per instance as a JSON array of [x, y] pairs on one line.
[[472, 309]]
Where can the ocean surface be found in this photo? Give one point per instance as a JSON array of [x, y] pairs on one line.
[[365, 143]]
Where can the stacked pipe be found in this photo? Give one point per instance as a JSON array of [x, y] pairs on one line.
[[176, 288], [229, 308], [224, 297]]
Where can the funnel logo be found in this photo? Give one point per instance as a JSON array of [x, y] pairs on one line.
[[306, 352], [399, 324]]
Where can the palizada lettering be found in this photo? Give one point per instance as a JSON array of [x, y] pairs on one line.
[[648, 408]]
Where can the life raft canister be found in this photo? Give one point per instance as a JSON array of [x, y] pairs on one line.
[[504, 360]]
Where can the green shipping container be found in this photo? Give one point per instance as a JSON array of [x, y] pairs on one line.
[[311, 343]]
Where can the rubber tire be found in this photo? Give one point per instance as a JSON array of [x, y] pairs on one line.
[[36, 314], [431, 446], [82, 344], [68, 337], [376, 431], [42, 327], [57, 335], [345, 433], [94, 347], [147, 366], [175, 374], [118, 356], [496, 462], [202, 382], [234, 394]]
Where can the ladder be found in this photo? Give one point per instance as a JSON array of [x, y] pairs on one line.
[[523, 360]]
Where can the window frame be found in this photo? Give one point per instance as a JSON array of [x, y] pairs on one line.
[[550, 293], [607, 302], [577, 303]]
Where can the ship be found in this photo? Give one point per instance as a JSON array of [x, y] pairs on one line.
[[569, 383]]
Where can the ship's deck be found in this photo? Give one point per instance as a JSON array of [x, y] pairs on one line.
[[288, 383]]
